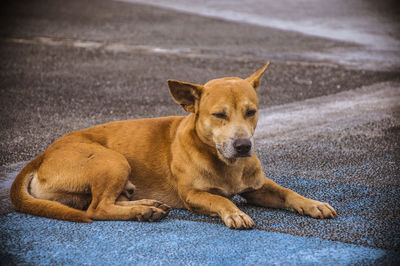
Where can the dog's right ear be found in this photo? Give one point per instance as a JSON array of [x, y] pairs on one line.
[[185, 93], [256, 77]]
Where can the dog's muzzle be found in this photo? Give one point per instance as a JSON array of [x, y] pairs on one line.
[[235, 148]]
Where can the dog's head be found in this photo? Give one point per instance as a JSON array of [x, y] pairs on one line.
[[226, 112]]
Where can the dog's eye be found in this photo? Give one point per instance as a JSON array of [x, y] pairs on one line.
[[250, 113], [220, 115]]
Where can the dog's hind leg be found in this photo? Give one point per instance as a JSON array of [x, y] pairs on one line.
[[72, 171], [125, 197]]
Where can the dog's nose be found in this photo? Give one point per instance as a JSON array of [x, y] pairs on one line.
[[242, 146]]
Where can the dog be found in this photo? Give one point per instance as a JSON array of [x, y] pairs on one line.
[[140, 169]]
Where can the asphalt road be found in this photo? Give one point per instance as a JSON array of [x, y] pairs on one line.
[[368, 23], [327, 129]]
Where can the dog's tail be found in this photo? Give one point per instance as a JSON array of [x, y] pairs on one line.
[[23, 201]]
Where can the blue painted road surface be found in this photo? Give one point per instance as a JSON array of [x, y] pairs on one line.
[[33, 240], [186, 238]]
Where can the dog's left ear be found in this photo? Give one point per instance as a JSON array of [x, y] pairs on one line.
[[255, 78], [185, 93]]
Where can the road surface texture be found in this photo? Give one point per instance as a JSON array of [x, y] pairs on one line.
[[328, 122]]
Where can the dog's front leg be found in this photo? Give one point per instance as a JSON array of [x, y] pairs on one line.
[[274, 196], [213, 205]]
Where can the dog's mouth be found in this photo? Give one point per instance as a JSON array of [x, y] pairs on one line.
[[242, 155], [230, 159]]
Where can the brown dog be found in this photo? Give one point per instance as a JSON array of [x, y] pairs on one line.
[[195, 162]]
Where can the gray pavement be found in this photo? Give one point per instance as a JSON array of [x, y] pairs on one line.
[[67, 65]]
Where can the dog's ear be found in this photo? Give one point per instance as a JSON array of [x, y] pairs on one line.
[[185, 93], [255, 78]]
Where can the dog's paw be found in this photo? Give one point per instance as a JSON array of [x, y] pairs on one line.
[[145, 203], [153, 203], [149, 214], [238, 220], [315, 209]]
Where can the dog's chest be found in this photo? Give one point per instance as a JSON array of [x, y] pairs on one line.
[[229, 191], [229, 183]]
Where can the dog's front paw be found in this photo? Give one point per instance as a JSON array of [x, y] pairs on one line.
[[238, 220], [314, 208]]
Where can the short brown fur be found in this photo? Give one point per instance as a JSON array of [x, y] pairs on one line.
[[195, 162]]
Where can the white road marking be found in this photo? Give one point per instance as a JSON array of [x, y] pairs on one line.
[[327, 114], [357, 21], [112, 47], [352, 21], [147, 49]]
